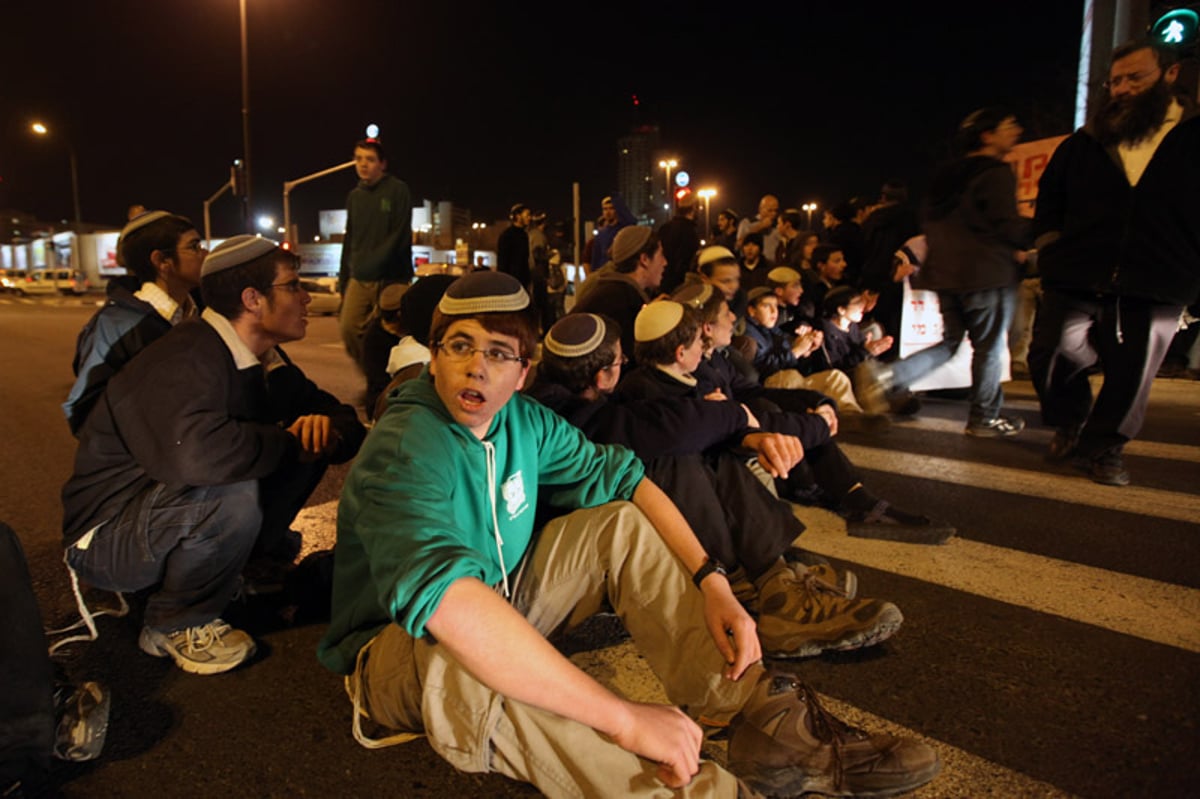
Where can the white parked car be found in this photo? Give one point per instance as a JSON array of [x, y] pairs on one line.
[[39, 281], [324, 292]]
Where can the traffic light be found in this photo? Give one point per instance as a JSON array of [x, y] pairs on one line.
[[1178, 29], [237, 178]]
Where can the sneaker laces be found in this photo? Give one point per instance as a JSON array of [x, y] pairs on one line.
[[200, 639], [815, 583]]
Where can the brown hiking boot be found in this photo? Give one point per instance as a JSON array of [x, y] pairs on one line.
[[802, 615], [785, 743]]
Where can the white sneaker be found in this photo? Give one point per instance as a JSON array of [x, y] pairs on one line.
[[207, 649]]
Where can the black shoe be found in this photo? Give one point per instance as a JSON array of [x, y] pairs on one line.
[[1105, 469], [1063, 445], [884, 522], [904, 403]]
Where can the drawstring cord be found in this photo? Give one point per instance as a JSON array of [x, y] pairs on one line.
[[490, 450]]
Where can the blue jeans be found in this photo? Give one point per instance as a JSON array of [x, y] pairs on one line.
[[984, 316], [190, 541]]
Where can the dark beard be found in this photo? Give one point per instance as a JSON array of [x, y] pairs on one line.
[[1134, 118]]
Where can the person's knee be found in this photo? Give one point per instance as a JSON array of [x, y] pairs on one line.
[[237, 512]]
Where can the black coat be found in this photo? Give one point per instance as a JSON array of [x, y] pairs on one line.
[[1097, 234]]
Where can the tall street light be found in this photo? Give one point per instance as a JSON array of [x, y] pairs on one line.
[[809, 208], [245, 118], [41, 130], [668, 165], [706, 195]]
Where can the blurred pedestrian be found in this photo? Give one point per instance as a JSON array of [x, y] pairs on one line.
[[1119, 256]]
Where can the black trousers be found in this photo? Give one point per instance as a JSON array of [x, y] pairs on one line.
[[1127, 337], [735, 518], [26, 676]]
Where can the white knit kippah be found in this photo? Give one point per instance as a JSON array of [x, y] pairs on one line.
[[576, 335], [236, 251], [715, 253], [657, 320], [141, 220]]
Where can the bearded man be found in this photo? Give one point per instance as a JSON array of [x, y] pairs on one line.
[[1118, 234]]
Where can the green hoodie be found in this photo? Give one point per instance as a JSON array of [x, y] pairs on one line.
[[418, 505]]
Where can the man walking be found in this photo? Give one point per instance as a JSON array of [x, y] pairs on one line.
[[1118, 236], [377, 249]]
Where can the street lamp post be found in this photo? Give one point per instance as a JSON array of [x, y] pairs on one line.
[[706, 195], [809, 208], [41, 130], [668, 165]]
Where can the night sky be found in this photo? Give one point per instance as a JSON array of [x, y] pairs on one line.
[[486, 107]]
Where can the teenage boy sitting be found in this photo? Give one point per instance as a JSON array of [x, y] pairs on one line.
[[846, 344], [825, 476], [692, 453], [795, 361], [828, 269], [788, 287], [443, 596]]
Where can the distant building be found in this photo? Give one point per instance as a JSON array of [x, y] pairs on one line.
[[637, 170]]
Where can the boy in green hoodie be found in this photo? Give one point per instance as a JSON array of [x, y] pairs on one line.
[[443, 595]]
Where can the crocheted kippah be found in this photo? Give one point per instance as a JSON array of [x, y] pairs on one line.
[[757, 292], [657, 320], [783, 275], [693, 295], [628, 241], [484, 292], [715, 253], [141, 220], [235, 251], [576, 335]]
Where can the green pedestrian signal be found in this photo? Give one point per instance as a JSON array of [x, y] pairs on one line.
[[1176, 28]]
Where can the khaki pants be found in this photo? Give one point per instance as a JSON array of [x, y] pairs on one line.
[[611, 551], [358, 303], [833, 383]]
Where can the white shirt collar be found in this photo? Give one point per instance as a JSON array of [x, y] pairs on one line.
[[153, 295], [243, 358]]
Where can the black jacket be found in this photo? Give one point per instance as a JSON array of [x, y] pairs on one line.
[[652, 428], [1099, 235], [182, 414], [973, 228]]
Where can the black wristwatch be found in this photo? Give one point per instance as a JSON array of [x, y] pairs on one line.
[[711, 565]]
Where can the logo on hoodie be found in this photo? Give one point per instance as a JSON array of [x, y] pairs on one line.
[[513, 491]]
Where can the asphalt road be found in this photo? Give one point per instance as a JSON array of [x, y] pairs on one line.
[[1053, 647]]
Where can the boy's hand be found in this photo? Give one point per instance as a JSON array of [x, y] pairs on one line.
[[730, 626], [316, 436], [827, 413], [777, 453], [717, 396], [664, 735], [879, 347]]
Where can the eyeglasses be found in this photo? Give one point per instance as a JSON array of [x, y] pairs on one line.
[[459, 350], [1133, 79], [192, 246], [290, 286], [624, 360]]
